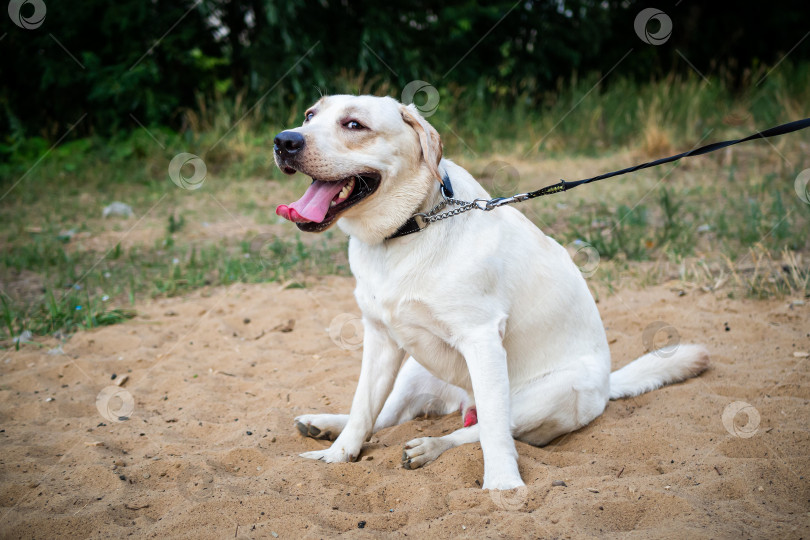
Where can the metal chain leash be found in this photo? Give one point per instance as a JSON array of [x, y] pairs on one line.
[[485, 205], [432, 215]]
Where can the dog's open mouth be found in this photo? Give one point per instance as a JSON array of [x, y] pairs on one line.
[[324, 201]]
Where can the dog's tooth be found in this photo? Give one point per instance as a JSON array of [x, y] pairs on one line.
[[346, 189]]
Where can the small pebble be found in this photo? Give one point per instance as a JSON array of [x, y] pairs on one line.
[[593, 490], [246, 320], [274, 534], [249, 432], [556, 483], [49, 399], [113, 376], [361, 525], [122, 477]]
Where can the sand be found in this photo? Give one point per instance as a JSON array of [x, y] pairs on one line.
[[198, 441]]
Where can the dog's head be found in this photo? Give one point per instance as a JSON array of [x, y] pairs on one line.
[[372, 160]]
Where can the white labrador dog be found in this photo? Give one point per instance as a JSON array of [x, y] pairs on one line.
[[480, 313]]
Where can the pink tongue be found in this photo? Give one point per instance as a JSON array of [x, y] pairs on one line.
[[314, 205]]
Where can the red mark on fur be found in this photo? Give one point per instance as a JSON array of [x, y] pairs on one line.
[[471, 418]]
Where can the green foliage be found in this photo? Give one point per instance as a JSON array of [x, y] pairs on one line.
[[175, 224], [111, 66]]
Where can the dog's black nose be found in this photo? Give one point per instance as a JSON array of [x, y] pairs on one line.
[[288, 143]]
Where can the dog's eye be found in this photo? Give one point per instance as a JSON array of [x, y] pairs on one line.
[[354, 124], [309, 116]]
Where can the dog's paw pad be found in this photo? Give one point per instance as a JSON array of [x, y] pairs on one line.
[[308, 430]]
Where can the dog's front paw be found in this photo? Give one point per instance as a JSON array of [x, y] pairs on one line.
[[503, 483], [333, 454], [321, 426]]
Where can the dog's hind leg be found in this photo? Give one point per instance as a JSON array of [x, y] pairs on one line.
[[559, 403], [416, 392], [541, 411]]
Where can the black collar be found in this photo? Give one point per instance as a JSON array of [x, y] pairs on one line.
[[412, 224]]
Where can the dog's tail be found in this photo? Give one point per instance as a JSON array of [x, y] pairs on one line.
[[657, 368]]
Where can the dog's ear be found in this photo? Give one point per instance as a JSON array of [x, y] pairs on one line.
[[429, 139]]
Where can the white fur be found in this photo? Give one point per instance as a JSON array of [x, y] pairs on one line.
[[654, 370], [478, 310]]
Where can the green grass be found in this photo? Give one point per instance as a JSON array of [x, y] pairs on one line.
[[680, 222], [80, 289], [736, 213]]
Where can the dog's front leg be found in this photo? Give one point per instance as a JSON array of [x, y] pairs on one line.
[[483, 351], [382, 359]]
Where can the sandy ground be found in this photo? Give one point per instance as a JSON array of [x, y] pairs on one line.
[[198, 442]]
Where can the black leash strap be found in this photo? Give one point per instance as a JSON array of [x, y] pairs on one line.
[[412, 225], [772, 132]]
